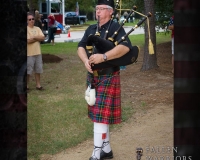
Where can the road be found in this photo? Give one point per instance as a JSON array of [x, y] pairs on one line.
[[75, 36]]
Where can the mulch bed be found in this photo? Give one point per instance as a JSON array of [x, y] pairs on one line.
[[49, 58]]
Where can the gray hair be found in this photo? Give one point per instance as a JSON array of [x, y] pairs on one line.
[[109, 7]]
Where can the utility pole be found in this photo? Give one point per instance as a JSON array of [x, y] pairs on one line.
[[48, 6], [63, 11]]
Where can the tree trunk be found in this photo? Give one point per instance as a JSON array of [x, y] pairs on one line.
[[149, 60]]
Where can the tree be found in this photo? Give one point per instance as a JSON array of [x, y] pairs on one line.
[[33, 5], [159, 8], [70, 5], [149, 60], [163, 11]]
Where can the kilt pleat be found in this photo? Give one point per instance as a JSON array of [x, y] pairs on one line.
[[107, 108]]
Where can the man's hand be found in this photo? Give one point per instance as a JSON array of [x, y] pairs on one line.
[[88, 66], [31, 40], [96, 59], [171, 27], [83, 56]]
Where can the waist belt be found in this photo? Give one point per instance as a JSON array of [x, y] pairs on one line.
[[106, 71]]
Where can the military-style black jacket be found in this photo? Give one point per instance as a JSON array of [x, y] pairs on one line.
[[113, 27]]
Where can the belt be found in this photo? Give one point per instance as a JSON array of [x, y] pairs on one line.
[[105, 71]]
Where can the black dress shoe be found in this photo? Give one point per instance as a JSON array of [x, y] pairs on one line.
[[91, 158], [104, 155]]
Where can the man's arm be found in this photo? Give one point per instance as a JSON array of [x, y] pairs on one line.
[[39, 38], [35, 39], [114, 53], [31, 40], [83, 56], [171, 27], [117, 52], [171, 23]]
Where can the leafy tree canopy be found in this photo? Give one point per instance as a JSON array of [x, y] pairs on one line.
[[163, 11], [70, 5], [163, 8]]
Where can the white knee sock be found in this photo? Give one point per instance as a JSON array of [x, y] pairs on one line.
[[98, 141], [100, 131], [106, 144]]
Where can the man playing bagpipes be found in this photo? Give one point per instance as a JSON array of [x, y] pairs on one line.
[[106, 106]]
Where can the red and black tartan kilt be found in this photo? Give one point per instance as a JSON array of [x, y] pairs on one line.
[[107, 108]]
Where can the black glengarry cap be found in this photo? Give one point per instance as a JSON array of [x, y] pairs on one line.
[[106, 2]]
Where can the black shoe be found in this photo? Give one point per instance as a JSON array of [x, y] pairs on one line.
[[104, 155], [91, 158]]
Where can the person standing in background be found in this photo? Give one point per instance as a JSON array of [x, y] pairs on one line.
[[125, 15], [38, 21], [51, 29], [117, 17], [171, 27], [34, 56], [42, 20]]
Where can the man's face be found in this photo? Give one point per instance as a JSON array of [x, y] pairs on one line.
[[103, 11], [30, 20]]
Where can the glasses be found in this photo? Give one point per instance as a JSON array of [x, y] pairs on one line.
[[100, 8], [31, 19]]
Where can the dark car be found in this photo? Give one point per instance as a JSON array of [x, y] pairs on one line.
[[72, 18]]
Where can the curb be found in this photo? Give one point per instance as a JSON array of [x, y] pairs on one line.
[[73, 40]]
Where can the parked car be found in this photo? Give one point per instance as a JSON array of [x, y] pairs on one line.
[[72, 18]]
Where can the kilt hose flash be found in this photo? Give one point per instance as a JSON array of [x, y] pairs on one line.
[[107, 108]]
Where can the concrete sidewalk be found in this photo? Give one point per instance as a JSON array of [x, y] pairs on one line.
[[75, 36]]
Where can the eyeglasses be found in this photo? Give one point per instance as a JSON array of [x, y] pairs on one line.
[[31, 19], [100, 9]]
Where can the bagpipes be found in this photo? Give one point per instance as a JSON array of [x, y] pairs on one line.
[[96, 44]]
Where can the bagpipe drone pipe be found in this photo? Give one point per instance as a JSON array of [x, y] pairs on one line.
[[96, 44]]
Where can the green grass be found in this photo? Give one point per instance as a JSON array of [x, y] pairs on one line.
[[139, 39], [57, 116], [71, 47], [60, 48]]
